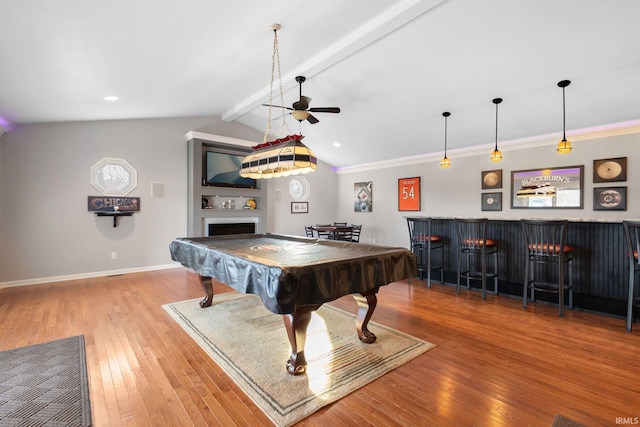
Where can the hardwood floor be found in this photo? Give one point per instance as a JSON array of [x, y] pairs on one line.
[[494, 365]]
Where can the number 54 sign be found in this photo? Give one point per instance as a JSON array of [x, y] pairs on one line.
[[409, 194]]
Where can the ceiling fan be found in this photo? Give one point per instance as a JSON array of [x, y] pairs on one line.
[[301, 110]]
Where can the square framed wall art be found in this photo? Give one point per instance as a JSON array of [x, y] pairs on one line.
[[492, 201], [610, 199]]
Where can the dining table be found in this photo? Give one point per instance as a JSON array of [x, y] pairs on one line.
[[334, 232]]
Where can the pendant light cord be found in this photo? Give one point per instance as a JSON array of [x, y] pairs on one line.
[[275, 60], [445, 134], [564, 118], [496, 126]]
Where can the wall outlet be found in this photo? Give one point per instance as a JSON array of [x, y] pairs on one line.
[[373, 241], [114, 255]]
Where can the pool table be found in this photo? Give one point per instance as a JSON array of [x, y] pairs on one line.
[[294, 276]]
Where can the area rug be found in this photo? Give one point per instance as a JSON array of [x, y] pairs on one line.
[[250, 343], [45, 385]]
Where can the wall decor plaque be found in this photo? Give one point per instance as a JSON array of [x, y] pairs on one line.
[[409, 194], [610, 170], [492, 201], [610, 198], [492, 179]]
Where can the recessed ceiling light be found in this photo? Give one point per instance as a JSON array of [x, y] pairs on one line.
[[336, 144], [111, 98]]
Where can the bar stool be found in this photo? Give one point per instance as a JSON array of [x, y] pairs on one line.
[[545, 240], [423, 242], [475, 249], [631, 234]]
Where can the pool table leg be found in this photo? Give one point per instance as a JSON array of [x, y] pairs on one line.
[[208, 290], [296, 325], [366, 304]]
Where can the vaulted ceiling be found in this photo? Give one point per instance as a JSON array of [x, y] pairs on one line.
[[392, 67]]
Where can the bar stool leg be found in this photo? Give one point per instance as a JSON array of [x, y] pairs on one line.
[[632, 275], [495, 272], [525, 290], [428, 265], [569, 265], [483, 260], [561, 288], [459, 271]]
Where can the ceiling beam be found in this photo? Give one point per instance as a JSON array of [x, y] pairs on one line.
[[385, 23]]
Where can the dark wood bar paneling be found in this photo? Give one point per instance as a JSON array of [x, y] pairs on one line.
[[599, 267]]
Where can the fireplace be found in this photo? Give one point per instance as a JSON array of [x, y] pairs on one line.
[[223, 226], [232, 228]]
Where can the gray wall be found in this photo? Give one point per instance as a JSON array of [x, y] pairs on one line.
[[47, 234], [46, 231], [456, 191]]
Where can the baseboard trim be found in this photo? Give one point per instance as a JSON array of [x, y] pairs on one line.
[[53, 279]]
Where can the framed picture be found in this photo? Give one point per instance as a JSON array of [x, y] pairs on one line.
[[492, 179], [299, 207], [610, 170], [610, 199], [548, 188], [492, 201], [409, 194], [363, 196]]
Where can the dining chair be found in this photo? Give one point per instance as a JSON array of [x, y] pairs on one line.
[[308, 229], [343, 232], [324, 234], [632, 241], [423, 242], [474, 253], [548, 256], [355, 234]]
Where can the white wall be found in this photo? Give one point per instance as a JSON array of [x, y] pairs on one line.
[[46, 229], [457, 191]]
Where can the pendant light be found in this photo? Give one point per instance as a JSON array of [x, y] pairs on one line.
[[284, 156], [564, 146], [496, 155], [445, 162]]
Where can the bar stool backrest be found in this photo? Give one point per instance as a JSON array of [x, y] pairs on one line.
[[472, 233], [546, 238], [419, 230], [631, 235]]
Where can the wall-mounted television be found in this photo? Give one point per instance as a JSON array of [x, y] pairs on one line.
[[223, 170]]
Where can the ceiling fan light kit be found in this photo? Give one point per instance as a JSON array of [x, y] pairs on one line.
[[300, 109]]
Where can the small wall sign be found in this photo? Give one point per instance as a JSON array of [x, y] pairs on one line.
[[113, 204]]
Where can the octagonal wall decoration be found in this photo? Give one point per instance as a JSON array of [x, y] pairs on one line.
[[114, 177]]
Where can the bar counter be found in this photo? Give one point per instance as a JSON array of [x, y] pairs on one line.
[[600, 272]]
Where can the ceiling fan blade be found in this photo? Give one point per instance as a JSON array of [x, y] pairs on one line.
[[311, 119], [279, 117], [277, 106], [325, 110]]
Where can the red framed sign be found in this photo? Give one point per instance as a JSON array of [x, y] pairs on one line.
[[409, 194]]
